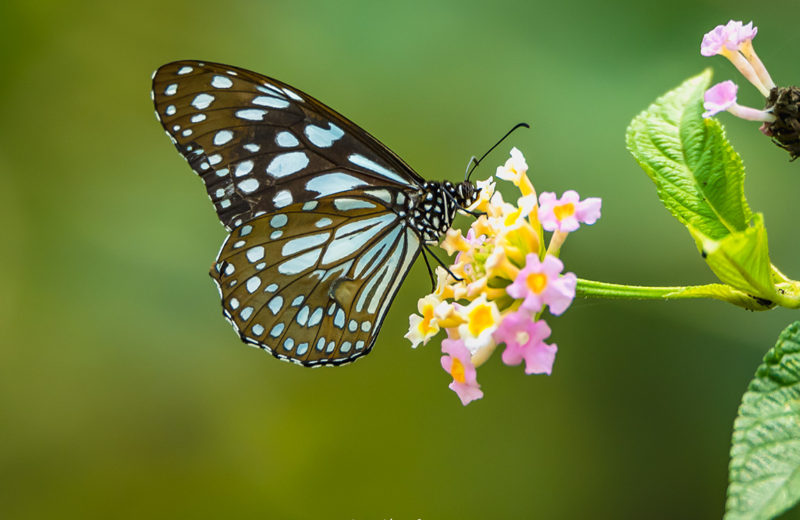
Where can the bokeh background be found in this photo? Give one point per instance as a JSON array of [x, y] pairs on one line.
[[123, 392]]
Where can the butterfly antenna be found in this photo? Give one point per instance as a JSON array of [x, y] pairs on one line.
[[475, 163]]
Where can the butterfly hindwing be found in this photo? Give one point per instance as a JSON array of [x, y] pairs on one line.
[[260, 145], [312, 282]]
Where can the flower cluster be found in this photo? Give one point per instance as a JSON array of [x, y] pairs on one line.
[[502, 279], [780, 121]]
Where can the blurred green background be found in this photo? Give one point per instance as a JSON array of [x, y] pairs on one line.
[[123, 392]]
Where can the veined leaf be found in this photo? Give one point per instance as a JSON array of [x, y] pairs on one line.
[[765, 453], [698, 175]]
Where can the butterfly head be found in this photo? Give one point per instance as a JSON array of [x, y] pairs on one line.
[[464, 193]]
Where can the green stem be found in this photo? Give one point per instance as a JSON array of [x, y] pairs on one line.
[[593, 289]]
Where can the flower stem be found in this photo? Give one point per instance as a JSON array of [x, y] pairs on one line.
[[593, 289]]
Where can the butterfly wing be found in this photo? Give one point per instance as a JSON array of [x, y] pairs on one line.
[[312, 283], [260, 145]]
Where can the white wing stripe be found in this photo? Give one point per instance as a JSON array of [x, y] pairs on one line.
[[360, 160], [351, 237], [375, 254], [335, 182], [301, 244]]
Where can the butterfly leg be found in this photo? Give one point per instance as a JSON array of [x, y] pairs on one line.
[[425, 248]]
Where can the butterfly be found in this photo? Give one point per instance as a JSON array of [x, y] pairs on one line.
[[324, 220]]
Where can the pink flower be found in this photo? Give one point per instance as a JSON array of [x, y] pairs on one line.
[[739, 33], [541, 283], [722, 96], [719, 98], [567, 213], [458, 364], [734, 41], [714, 40], [524, 338], [730, 37]]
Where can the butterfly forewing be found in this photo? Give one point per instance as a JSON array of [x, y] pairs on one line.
[[312, 283], [260, 145]]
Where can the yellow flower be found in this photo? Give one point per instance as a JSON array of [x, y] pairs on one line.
[[514, 169], [484, 195], [481, 320], [422, 328], [454, 241]]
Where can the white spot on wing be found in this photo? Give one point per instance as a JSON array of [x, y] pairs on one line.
[[170, 110], [221, 82], [278, 221], [243, 168], [292, 94], [248, 185], [253, 283], [171, 89], [251, 114], [384, 195], [276, 330], [287, 164], [268, 101], [286, 139], [222, 137], [302, 316], [202, 101], [198, 118], [282, 199], [275, 304], [339, 319], [316, 317], [254, 254], [215, 159], [322, 137], [185, 70]]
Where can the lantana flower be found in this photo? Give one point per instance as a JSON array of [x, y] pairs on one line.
[[503, 277], [422, 328], [541, 283], [482, 319], [735, 42], [457, 362], [567, 213], [524, 339], [780, 115]]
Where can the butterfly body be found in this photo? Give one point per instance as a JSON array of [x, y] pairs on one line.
[[324, 220]]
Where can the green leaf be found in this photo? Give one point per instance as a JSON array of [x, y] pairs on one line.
[[741, 259], [698, 175], [765, 453]]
